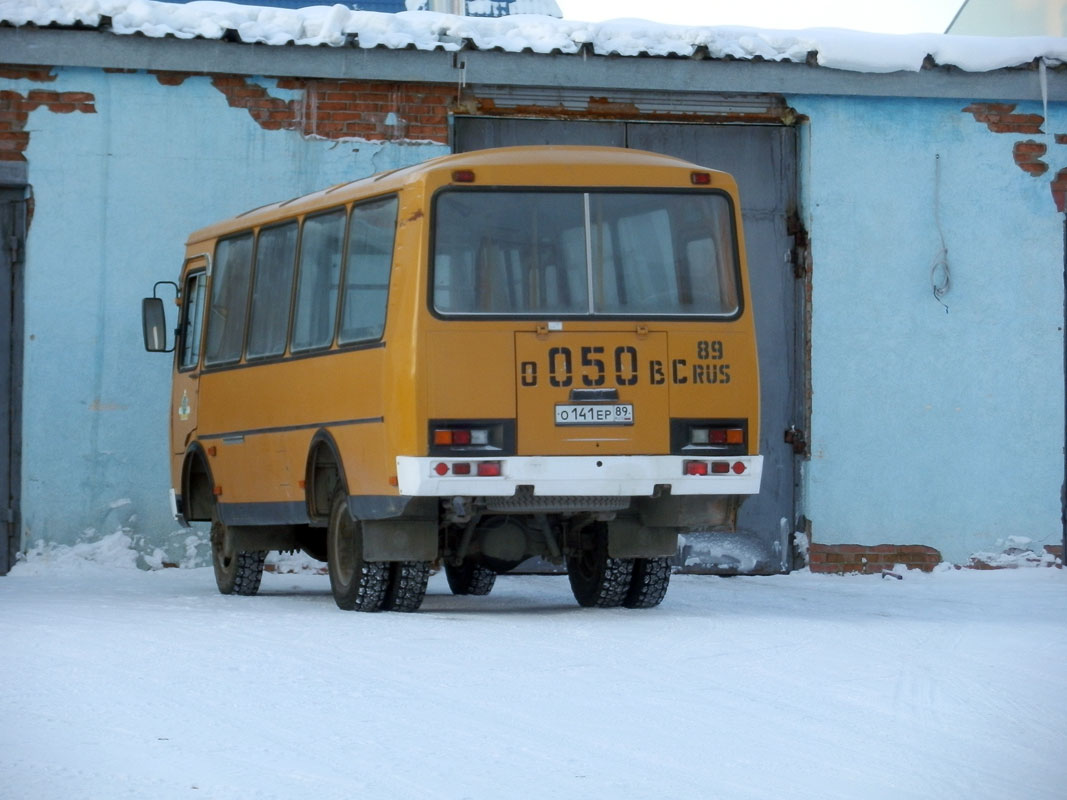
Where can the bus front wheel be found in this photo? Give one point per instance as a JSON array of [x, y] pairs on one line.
[[596, 578], [357, 585], [236, 571]]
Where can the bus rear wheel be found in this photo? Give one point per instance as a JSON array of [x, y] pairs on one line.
[[236, 571], [357, 585], [470, 577], [651, 577], [596, 578], [407, 585]]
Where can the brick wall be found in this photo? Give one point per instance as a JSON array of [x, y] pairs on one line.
[[340, 109], [868, 559], [331, 109], [1029, 154], [15, 108]]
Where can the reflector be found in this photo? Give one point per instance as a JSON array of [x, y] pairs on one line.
[[488, 468], [441, 468], [462, 468], [739, 468], [696, 468], [720, 467]]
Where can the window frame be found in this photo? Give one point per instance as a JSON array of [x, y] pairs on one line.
[[584, 192], [198, 273], [247, 356]]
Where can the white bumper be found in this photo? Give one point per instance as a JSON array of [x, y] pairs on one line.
[[577, 476]]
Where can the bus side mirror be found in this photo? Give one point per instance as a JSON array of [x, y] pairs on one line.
[[154, 323]]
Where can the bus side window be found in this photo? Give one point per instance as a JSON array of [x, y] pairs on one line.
[[229, 300], [316, 288], [192, 320], [272, 290], [370, 258]]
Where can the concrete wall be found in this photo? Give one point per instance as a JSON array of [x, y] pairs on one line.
[[936, 424], [123, 167]]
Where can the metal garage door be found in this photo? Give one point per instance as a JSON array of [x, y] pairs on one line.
[[762, 158], [12, 224]]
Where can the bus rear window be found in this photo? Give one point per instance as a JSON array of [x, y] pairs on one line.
[[600, 253]]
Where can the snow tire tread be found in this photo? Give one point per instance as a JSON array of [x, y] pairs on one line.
[[470, 578], [249, 569], [648, 586], [407, 585]]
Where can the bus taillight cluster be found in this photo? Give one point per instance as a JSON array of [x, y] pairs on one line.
[[694, 467], [480, 469]]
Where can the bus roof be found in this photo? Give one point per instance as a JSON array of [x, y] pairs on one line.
[[577, 159]]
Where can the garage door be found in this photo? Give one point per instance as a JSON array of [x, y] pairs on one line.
[[762, 159], [12, 224]]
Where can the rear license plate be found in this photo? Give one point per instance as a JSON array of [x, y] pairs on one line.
[[600, 414]]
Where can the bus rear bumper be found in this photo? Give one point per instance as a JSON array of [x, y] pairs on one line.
[[577, 476]]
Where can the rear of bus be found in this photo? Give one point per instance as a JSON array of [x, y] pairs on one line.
[[586, 365]]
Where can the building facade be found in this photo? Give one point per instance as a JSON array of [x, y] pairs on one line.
[[911, 275]]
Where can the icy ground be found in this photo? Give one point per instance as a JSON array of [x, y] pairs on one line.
[[123, 683]]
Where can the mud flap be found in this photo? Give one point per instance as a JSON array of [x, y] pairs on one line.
[[399, 540], [628, 538]]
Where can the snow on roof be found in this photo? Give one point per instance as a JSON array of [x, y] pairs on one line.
[[339, 25]]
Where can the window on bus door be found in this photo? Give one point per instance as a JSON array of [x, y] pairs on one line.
[[272, 290], [321, 246], [371, 233], [192, 320], [611, 253], [229, 300]]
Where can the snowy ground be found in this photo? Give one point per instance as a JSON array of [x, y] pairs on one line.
[[127, 683]]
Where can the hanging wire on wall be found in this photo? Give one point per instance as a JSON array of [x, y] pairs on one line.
[[940, 274]]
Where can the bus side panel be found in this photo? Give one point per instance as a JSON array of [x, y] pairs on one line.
[[260, 421]]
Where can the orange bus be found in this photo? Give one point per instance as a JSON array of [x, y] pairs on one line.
[[487, 357]]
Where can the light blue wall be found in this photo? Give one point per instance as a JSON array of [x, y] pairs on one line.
[[928, 427], [944, 429], [116, 193]]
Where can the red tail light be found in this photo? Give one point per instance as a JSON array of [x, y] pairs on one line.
[[489, 468]]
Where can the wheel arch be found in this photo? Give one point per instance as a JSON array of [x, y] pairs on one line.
[[197, 485], [323, 473]]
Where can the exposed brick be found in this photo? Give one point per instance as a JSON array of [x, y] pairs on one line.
[[15, 110], [870, 559], [1015, 126], [337, 109], [1059, 190], [998, 117], [168, 78], [27, 73]]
